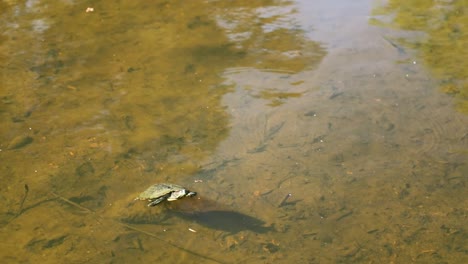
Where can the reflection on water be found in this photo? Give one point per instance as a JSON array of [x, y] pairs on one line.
[[443, 47], [244, 102]]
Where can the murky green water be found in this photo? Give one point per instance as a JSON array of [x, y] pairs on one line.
[[243, 102]]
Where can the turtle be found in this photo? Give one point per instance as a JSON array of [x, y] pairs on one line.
[[160, 192]]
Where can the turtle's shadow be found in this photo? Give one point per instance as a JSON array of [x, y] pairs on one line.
[[211, 214], [228, 221], [204, 212]]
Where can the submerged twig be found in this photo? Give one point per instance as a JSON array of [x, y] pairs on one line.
[[398, 47], [71, 203], [169, 243], [285, 199], [26, 191], [22, 209]]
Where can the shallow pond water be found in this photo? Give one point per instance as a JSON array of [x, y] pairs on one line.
[[312, 132]]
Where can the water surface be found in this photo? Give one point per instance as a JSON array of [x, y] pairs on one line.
[[244, 102]]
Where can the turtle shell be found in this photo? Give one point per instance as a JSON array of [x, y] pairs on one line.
[[164, 191], [159, 190]]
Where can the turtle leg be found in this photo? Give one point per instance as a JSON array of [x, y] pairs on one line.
[[158, 200], [190, 194]]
